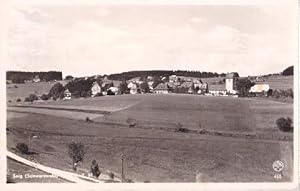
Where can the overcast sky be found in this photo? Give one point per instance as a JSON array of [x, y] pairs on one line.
[[88, 40]]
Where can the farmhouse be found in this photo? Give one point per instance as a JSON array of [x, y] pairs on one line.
[[161, 88], [173, 78], [150, 84], [259, 88], [201, 88], [133, 87], [67, 94], [36, 79], [230, 81], [96, 89], [217, 89]]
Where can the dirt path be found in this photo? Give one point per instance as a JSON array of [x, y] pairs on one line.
[[72, 177]]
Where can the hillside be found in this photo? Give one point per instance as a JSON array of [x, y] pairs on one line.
[[134, 74]]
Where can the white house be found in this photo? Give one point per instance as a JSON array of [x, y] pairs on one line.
[[133, 88], [259, 88], [67, 95], [230, 82], [96, 89], [36, 79], [173, 78], [150, 84]]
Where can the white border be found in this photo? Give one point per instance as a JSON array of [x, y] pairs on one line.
[[149, 186]]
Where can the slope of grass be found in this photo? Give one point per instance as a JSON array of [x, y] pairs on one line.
[[153, 155], [23, 90]]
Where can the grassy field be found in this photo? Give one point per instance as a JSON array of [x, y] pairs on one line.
[[16, 91], [280, 82], [275, 82], [20, 173], [156, 155]]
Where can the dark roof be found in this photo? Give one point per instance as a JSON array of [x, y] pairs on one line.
[[217, 87], [232, 75], [161, 86]]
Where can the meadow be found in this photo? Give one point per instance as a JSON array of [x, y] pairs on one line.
[[153, 152]]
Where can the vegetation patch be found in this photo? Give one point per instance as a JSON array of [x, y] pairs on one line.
[[31, 98], [22, 148], [285, 124]]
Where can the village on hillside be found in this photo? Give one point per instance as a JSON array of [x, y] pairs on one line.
[[230, 84]]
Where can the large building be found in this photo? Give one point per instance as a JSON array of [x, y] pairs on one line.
[[161, 88], [259, 88], [230, 82]]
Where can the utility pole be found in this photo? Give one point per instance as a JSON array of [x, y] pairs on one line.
[[123, 177]]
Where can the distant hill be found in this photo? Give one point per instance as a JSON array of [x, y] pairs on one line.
[[134, 74]]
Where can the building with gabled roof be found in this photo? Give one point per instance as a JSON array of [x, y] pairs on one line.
[[96, 89], [162, 88]]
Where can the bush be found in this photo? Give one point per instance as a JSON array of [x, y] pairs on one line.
[[87, 119], [31, 98], [19, 100], [57, 91], [16, 86], [181, 129], [9, 101], [95, 169], [44, 97], [283, 93], [111, 175], [131, 122], [76, 152], [23, 148], [284, 124], [98, 94], [109, 92], [80, 87]]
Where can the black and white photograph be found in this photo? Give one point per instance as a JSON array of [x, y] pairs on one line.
[[151, 93]]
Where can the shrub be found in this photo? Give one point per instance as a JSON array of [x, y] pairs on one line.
[[69, 77], [202, 131], [9, 101], [76, 152], [31, 98], [87, 119], [16, 86], [283, 93], [131, 122], [111, 175], [19, 100], [181, 129], [23, 148], [80, 87], [284, 124], [44, 97], [95, 169], [98, 94]]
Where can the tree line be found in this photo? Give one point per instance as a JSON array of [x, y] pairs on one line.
[[21, 77], [133, 74]]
